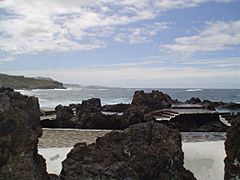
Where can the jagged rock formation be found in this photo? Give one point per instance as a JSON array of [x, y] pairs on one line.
[[193, 100], [89, 116], [151, 101], [19, 133], [91, 105], [64, 116], [232, 147], [143, 151]]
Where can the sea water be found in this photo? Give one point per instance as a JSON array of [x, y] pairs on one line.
[[53, 97]]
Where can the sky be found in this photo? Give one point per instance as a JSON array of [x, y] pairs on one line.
[[127, 43]]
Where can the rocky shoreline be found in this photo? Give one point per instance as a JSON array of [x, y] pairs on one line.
[[190, 116], [144, 149]]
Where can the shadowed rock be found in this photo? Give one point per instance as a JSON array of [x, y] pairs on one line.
[[64, 117], [115, 107], [196, 122], [19, 133], [232, 147], [143, 151], [97, 120]]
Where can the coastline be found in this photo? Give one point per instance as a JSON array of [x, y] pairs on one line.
[[188, 133]]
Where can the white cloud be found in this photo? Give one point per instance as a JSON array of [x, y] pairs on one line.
[[140, 34], [150, 72], [6, 59], [215, 36], [230, 62], [57, 25]]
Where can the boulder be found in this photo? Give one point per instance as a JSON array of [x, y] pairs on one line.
[[19, 133], [151, 101], [132, 116], [193, 100], [64, 117], [143, 151], [76, 115], [232, 147], [90, 105], [206, 104], [89, 115]]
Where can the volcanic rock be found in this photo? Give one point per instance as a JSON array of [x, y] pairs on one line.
[[64, 117], [143, 151], [132, 116], [193, 100], [220, 105], [19, 133], [151, 101], [90, 105], [232, 147], [231, 106], [116, 107], [196, 123]]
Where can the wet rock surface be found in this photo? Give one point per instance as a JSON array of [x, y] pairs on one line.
[[143, 151], [232, 147], [19, 133]]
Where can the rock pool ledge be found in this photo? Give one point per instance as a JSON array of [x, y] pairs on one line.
[[69, 137]]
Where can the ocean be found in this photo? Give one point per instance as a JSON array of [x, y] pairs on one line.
[[50, 98]]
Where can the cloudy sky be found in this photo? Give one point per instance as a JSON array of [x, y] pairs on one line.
[[127, 43]]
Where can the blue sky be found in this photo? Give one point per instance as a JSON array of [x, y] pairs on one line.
[[128, 43]]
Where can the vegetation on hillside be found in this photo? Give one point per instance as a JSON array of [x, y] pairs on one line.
[[21, 82]]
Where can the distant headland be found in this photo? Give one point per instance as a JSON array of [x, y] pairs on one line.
[[22, 82]]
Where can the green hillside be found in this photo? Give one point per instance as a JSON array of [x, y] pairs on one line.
[[21, 82]]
